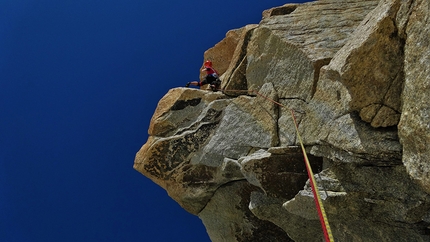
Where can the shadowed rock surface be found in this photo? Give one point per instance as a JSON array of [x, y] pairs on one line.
[[355, 73]]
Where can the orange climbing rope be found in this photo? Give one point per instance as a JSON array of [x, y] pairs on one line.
[[320, 207]]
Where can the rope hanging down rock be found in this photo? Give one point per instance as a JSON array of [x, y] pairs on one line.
[[317, 198]]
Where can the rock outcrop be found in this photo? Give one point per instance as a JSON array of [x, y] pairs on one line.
[[355, 73]]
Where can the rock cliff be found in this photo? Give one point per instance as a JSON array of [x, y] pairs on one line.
[[356, 74]]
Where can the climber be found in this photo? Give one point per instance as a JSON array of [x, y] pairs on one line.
[[211, 77]]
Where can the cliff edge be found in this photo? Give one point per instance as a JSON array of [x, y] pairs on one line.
[[356, 74]]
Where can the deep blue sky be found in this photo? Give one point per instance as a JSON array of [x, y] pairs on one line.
[[79, 82]]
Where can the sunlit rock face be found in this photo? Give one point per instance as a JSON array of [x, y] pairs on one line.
[[355, 75]]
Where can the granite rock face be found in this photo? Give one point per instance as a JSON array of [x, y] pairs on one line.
[[355, 75]]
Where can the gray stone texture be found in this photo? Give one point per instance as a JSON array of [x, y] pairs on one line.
[[355, 74]]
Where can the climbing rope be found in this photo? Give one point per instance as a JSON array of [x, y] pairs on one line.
[[317, 198], [318, 202]]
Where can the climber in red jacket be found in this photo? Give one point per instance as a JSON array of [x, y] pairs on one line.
[[211, 77]]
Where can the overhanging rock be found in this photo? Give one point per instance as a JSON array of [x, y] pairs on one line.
[[355, 75]]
